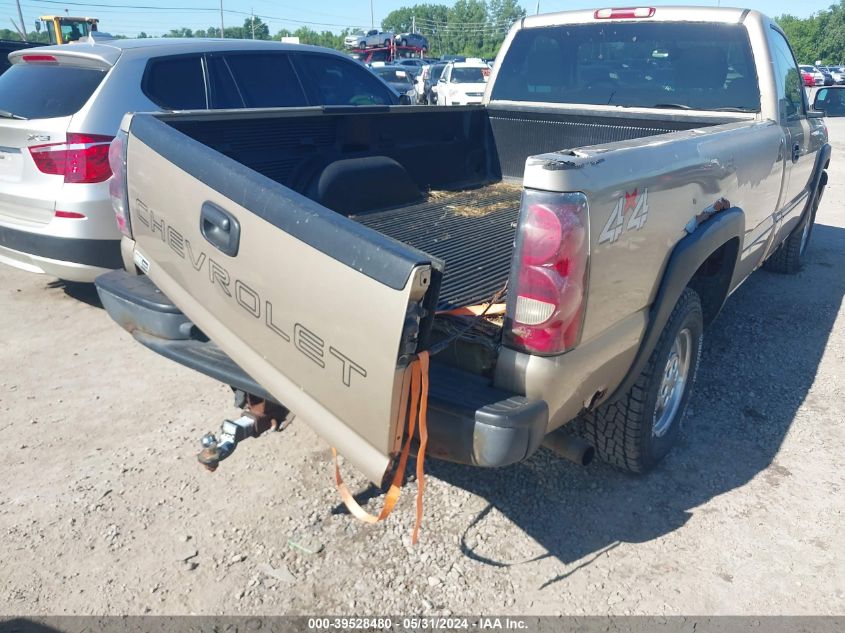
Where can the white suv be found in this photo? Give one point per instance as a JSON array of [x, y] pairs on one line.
[[463, 83]]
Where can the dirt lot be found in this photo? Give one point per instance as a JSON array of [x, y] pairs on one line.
[[103, 508]]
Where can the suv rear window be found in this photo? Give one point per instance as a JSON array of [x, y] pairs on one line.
[[638, 64], [175, 83], [41, 91]]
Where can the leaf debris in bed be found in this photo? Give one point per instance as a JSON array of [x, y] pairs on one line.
[[470, 202]]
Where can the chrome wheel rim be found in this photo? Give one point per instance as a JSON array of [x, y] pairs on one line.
[[673, 383], [805, 235]]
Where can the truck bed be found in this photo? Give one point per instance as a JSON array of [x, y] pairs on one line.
[[445, 195], [469, 230]]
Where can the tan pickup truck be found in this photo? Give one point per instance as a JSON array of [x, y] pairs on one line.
[[628, 169]]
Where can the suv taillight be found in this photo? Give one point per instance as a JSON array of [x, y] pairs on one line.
[[83, 158], [118, 191], [546, 297]]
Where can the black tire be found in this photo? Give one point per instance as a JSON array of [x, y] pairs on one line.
[[624, 433], [789, 257]]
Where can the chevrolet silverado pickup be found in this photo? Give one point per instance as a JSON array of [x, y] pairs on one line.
[[557, 250]]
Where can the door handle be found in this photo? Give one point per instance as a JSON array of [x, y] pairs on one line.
[[796, 152], [220, 229]]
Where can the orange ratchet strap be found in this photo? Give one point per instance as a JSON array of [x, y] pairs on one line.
[[417, 411]]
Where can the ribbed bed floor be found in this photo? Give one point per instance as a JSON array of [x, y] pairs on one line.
[[472, 231]]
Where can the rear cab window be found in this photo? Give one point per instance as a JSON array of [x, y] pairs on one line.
[[45, 91], [636, 64], [176, 83]]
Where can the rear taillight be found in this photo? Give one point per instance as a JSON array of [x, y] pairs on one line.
[[624, 13], [83, 158], [118, 191], [546, 297]]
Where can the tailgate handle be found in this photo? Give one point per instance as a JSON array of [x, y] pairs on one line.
[[220, 228]]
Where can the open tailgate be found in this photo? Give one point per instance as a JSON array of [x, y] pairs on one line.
[[321, 311]]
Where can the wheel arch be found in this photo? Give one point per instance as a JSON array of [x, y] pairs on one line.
[[704, 260]]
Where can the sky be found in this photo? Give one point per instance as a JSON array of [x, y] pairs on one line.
[[155, 17]]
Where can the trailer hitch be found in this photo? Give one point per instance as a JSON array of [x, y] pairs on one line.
[[258, 416]]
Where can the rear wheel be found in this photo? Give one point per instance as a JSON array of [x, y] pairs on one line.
[[638, 430], [789, 256]]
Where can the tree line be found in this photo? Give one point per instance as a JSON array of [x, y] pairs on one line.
[[468, 27], [818, 37]]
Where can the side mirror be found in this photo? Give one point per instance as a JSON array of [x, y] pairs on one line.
[[38, 26], [441, 81], [820, 98], [404, 99]]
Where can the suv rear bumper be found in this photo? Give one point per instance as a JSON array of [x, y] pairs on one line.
[[469, 421], [73, 259]]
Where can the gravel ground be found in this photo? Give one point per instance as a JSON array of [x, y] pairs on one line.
[[104, 509]]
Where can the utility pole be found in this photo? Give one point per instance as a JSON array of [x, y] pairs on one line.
[[18, 29], [252, 13], [538, 6], [413, 24], [222, 31], [372, 16], [23, 24]]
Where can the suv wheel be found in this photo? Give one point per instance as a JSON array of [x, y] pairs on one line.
[[638, 430], [789, 256]]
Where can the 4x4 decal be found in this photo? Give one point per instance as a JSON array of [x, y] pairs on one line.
[[637, 204]]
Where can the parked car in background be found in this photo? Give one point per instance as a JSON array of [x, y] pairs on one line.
[[414, 63], [807, 79], [397, 77], [462, 83], [828, 77], [375, 37], [8, 46], [55, 212], [818, 77], [838, 74], [432, 75], [414, 40]]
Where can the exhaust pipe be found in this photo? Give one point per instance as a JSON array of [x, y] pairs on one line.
[[570, 447]]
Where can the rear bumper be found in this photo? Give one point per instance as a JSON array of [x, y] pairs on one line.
[[469, 421], [73, 259]]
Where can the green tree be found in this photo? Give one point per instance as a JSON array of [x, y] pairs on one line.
[[467, 27], [182, 32], [502, 15], [256, 26], [803, 36]]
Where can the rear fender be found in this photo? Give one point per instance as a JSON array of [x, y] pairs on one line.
[[686, 258]]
